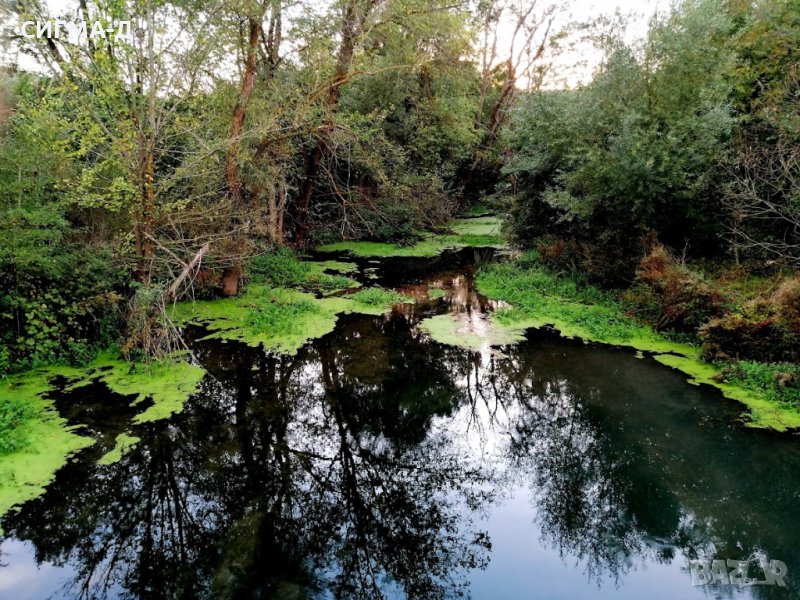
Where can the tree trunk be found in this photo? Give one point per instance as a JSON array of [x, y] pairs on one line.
[[352, 25], [145, 233], [237, 121], [277, 205], [232, 276]]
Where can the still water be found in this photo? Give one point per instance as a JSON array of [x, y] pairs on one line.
[[378, 463]]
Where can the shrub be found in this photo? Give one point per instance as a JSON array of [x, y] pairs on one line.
[[765, 330], [670, 296], [787, 302], [749, 336], [60, 307]]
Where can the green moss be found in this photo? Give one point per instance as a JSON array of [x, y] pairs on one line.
[[335, 266], [478, 210], [454, 330], [765, 412], [285, 269], [166, 384], [124, 442], [47, 441], [481, 232], [540, 298], [281, 316], [281, 320], [44, 441], [482, 226], [319, 280], [15, 410], [423, 248]]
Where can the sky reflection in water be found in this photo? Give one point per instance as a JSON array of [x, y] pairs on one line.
[[377, 462]]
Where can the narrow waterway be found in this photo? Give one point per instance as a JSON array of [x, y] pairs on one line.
[[379, 463]]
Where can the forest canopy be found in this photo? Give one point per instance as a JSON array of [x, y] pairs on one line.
[[136, 172]]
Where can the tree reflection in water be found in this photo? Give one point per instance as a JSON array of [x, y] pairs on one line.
[[616, 480], [361, 467], [312, 473]]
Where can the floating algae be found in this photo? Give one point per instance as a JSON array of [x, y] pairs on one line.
[[483, 232]]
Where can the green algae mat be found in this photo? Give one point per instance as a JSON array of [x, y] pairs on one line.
[[43, 441], [481, 232], [280, 320]]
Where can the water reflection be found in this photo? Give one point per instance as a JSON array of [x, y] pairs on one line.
[[364, 467], [310, 474]]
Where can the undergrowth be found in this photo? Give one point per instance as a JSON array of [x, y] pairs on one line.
[[283, 268], [535, 293], [280, 318], [14, 411], [778, 382], [378, 296]]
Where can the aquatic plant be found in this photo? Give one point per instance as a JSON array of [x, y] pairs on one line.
[[378, 296]]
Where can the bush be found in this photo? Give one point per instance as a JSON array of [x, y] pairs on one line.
[[787, 302], [764, 330], [57, 304], [749, 336], [670, 296]]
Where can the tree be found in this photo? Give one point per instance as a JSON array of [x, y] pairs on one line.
[[233, 275], [763, 192], [638, 149], [127, 97], [504, 65]]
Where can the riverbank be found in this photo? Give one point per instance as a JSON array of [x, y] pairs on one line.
[[291, 301], [288, 303], [538, 298]]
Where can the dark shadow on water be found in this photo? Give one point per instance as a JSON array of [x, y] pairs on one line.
[[370, 465]]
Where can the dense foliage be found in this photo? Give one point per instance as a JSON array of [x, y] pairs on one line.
[[134, 172], [690, 137]]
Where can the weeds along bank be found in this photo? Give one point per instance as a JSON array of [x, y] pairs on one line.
[[678, 318]]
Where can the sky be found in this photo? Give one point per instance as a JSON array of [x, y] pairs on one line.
[[575, 67], [571, 68]]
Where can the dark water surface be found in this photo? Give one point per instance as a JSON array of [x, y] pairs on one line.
[[378, 463]]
